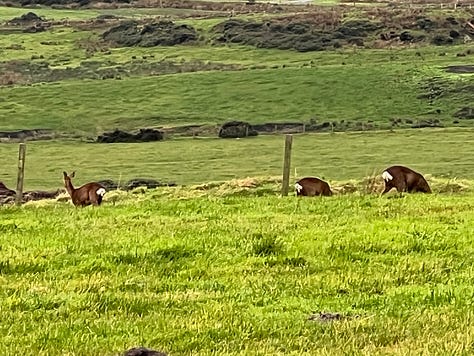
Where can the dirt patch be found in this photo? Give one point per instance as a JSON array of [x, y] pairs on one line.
[[135, 183], [236, 129], [7, 196], [26, 135], [163, 33], [119, 136], [6, 192], [143, 351], [327, 317], [460, 69], [39, 70], [285, 127], [302, 127]]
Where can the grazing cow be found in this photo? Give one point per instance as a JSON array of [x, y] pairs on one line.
[[404, 179], [311, 186], [89, 193]]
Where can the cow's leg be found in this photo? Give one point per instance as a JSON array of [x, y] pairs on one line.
[[401, 186]]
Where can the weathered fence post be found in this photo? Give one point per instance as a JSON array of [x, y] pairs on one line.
[[286, 165], [21, 174]]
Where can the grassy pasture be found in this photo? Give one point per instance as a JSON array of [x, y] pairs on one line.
[[356, 85], [239, 275], [62, 40], [8, 13], [335, 157], [354, 92], [190, 272]]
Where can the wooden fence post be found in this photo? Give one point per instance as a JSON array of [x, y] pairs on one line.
[[21, 174], [286, 165]]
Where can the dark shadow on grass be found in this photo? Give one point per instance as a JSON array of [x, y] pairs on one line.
[[156, 257], [7, 268]]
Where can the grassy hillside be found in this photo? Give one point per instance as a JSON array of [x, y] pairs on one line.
[[350, 92], [335, 157], [68, 79], [233, 268], [207, 275]]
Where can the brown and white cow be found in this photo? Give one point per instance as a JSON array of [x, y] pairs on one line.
[[404, 179], [312, 186]]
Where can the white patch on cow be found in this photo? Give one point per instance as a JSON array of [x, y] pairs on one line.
[[100, 191], [298, 187], [386, 176]]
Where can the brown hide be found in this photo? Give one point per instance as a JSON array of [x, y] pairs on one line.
[[404, 179], [311, 186], [84, 195]]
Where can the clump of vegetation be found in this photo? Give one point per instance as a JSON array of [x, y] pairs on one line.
[[300, 36], [315, 32], [29, 17], [163, 33]]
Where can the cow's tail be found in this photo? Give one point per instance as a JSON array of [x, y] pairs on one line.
[[386, 176], [298, 187]]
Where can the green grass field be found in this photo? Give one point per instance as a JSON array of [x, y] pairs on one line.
[[232, 268], [8, 13], [258, 96], [239, 275], [336, 157], [351, 84]]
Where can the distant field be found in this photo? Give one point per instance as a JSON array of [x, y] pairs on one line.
[[208, 83], [335, 157], [8, 13], [352, 92]]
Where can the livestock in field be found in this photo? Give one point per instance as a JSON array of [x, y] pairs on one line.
[[89, 193], [312, 186], [404, 179]]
